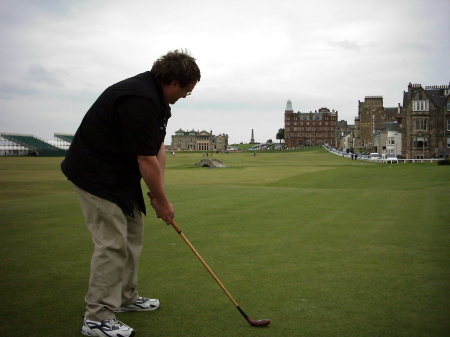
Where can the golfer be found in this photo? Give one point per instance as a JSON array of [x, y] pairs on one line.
[[121, 140]]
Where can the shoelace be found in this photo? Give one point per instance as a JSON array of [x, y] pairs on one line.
[[114, 323]]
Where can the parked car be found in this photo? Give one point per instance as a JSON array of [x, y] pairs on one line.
[[374, 156], [363, 156], [390, 158]]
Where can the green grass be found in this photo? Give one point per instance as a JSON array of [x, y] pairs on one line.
[[321, 245]]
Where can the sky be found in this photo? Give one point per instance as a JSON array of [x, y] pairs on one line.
[[57, 57]]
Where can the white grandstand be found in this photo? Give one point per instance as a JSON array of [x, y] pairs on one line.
[[26, 145], [9, 148]]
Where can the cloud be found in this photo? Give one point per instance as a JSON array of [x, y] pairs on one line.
[[347, 45], [59, 55], [10, 90], [36, 73]]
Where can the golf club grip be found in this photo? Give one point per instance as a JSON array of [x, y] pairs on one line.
[[175, 226]]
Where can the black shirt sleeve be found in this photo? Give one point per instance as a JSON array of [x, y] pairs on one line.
[[141, 122]]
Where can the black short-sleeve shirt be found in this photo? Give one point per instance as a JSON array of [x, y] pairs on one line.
[[128, 119], [135, 113]]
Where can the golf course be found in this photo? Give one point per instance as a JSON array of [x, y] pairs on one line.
[[321, 245]]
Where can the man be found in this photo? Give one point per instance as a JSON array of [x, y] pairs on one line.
[[120, 141]]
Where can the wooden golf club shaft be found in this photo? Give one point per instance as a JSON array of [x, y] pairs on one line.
[[175, 226], [258, 323]]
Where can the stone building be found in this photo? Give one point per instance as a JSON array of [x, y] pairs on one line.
[[371, 114], [426, 122], [198, 141], [309, 128]]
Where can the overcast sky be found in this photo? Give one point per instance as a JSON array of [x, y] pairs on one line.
[[57, 56]]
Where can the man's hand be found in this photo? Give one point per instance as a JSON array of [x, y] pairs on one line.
[[163, 210]]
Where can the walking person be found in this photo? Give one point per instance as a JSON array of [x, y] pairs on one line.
[[119, 141]]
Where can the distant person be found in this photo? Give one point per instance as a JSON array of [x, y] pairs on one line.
[[120, 141]]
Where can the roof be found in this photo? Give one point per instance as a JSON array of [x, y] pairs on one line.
[[389, 126], [437, 97], [391, 112]]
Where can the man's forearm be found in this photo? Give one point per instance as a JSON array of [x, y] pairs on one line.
[[153, 175], [161, 156]]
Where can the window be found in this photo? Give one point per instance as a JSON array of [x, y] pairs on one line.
[[421, 105], [421, 142], [391, 141], [448, 142], [421, 124], [448, 106], [448, 124]]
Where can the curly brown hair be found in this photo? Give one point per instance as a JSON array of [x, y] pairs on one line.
[[178, 66]]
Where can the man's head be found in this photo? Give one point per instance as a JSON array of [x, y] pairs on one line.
[[177, 73]]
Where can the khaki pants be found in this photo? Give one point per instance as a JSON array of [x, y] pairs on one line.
[[117, 242]]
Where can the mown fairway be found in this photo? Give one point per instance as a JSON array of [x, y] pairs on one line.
[[321, 245]]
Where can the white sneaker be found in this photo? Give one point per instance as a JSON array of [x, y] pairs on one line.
[[142, 304], [106, 328]]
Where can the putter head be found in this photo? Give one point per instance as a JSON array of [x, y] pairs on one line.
[[259, 323]]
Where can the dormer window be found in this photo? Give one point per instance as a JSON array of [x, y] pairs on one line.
[[423, 105]]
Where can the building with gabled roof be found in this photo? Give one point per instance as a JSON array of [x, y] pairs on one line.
[[426, 122]]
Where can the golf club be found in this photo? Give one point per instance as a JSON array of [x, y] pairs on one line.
[[257, 323]]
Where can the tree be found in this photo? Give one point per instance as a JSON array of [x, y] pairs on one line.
[[280, 134]]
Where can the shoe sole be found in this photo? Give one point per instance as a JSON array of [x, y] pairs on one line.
[[88, 333], [125, 310]]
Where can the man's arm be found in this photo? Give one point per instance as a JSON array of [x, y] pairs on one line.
[[152, 171], [161, 156]]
